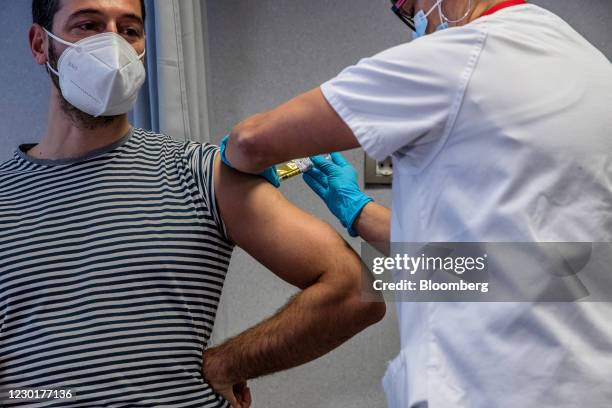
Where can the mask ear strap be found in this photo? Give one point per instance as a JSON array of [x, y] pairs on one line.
[[440, 13], [52, 70], [437, 4], [443, 16], [56, 38], [59, 40], [145, 49]]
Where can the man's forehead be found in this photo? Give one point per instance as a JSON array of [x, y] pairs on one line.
[[110, 7]]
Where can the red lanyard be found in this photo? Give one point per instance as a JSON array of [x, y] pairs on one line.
[[503, 5]]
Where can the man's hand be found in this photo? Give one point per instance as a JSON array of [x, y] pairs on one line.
[[237, 394]]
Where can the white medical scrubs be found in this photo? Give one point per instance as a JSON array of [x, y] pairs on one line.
[[499, 130]]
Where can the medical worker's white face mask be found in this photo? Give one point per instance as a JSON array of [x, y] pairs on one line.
[[100, 75], [421, 22]]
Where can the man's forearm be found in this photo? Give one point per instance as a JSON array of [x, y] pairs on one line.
[[313, 323], [374, 226]]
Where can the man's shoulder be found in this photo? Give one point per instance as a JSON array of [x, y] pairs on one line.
[[153, 138], [8, 167], [7, 164]]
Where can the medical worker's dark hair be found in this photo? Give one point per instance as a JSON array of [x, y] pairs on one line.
[[43, 12]]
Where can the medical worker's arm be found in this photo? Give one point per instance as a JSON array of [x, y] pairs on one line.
[[305, 126], [303, 251], [373, 226]]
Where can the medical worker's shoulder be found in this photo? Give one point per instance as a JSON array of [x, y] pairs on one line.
[[395, 97], [444, 52], [436, 64]]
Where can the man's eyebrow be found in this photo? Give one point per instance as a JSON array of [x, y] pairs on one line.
[[132, 16], [79, 13]]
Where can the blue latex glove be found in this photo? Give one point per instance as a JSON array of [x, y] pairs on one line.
[[269, 173], [336, 183]]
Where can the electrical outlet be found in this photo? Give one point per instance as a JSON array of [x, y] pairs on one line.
[[377, 173], [384, 168]]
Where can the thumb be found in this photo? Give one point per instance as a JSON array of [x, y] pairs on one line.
[[324, 165], [270, 175], [339, 159], [319, 176]]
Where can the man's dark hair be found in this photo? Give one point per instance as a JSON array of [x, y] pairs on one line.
[[43, 12]]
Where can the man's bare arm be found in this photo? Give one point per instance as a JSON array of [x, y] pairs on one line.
[[303, 251], [305, 126]]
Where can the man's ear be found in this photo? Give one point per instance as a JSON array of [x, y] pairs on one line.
[[39, 44]]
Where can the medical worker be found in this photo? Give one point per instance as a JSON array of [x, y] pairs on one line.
[[497, 117]]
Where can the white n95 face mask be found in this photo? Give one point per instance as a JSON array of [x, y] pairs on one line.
[[100, 75]]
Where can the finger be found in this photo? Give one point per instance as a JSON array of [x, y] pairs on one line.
[[325, 166], [231, 398], [243, 393], [240, 393], [315, 185], [238, 388], [270, 175], [339, 159], [247, 398], [319, 176]]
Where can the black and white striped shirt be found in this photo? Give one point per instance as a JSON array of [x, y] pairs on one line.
[[111, 270]]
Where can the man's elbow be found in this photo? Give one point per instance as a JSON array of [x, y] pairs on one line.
[[363, 310], [369, 312], [360, 306]]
